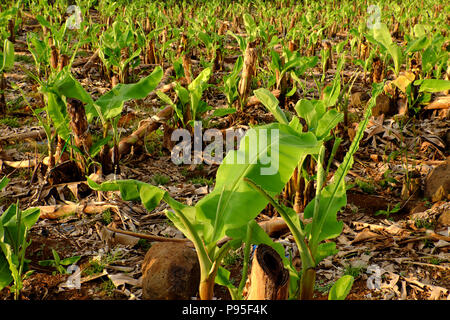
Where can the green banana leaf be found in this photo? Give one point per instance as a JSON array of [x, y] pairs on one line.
[[271, 103], [383, 37], [56, 109], [233, 202], [4, 182], [196, 88], [341, 288], [111, 103], [432, 85]]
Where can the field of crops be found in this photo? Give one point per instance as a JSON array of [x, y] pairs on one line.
[[251, 150]]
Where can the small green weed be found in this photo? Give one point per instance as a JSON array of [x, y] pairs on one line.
[[160, 179], [10, 122]]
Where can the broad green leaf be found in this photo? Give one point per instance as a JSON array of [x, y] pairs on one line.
[[271, 103], [182, 94], [429, 59], [396, 54], [418, 44], [150, 196], [30, 217], [306, 63], [43, 22], [111, 103], [306, 110], [250, 25], [70, 260], [291, 64], [196, 88], [132, 57], [166, 99], [56, 256], [295, 124], [383, 37], [69, 87], [8, 220], [432, 85], [327, 122], [47, 263], [276, 60], [331, 93], [233, 202], [6, 254], [419, 30], [223, 278], [341, 288], [311, 111]]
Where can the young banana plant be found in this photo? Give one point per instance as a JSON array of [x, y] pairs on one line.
[[382, 37], [189, 106], [117, 51], [7, 63], [230, 209]]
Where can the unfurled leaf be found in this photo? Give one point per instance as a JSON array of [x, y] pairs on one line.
[[5, 274], [331, 93], [196, 88], [383, 37], [8, 56]]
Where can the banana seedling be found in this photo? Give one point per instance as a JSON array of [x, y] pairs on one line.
[[189, 107], [7, 63], [288, 62], [382, 37], [230, 83], [14, 226]]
